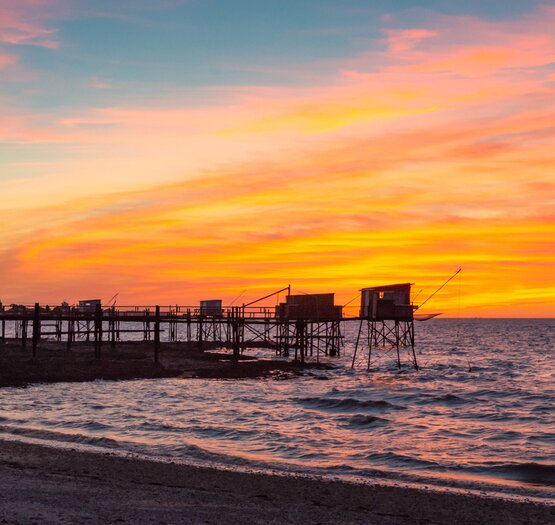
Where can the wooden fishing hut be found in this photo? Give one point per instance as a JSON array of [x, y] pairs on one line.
[[89, 305], [309, 323], [209, 325], [387, 315], [211, 307], [390, 302]]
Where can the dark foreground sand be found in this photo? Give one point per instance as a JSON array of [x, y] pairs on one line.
[[46, 485]]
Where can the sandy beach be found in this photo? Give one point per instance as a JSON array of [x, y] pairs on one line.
[[46, 485]]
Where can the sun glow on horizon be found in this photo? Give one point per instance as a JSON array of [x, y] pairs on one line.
[[430, 148]]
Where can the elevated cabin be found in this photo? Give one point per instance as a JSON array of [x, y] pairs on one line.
[[89, 305], [310, 307], [211, 307], [387, 303]]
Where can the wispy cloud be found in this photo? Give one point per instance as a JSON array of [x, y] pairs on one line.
[[26, 22], [432, 151], [99, 83]]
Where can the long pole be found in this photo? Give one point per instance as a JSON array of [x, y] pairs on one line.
[[288, 288], [450, 278]]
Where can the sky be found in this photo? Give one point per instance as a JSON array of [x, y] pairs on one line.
[[180, 150]]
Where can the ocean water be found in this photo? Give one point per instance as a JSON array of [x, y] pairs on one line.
[[479, 415]]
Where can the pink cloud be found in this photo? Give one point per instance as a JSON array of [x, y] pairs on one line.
[[24, 22], [464, 45], [401, 40], [7, 59]]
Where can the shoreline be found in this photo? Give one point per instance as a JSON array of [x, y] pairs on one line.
[[47, 484], [457, 484]]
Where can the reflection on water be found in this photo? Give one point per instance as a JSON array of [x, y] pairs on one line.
[[479, 413]]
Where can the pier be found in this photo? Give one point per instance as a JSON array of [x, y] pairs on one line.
[[303, 327]]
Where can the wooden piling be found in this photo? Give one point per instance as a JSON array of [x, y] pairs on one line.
[[24, 333], [98, 332], [302, 330], [36, 329], [112, 328], [3, 334], [70, 329], [397, 344], [200, 332], [156, 333], [370, 336], [235, 336]]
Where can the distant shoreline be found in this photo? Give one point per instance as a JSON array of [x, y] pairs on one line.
[[40, 483]]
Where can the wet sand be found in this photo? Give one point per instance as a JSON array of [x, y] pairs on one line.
[[45, 485], [127, 361]]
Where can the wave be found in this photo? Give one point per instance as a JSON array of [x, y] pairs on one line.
[[48, 435], [529, 472], [346, 403], [394, 459], [451, 399], [364, 420], [222, 432]]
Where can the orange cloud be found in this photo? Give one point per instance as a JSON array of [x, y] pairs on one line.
[[374, 176]]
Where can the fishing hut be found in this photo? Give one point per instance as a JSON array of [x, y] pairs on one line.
[[386, 320], [211, 307], [90, 305], [309, 324], [210, 314]]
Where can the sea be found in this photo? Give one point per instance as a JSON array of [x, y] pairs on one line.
[[478, 415]]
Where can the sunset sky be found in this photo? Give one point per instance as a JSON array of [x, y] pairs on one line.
[[200, 148]]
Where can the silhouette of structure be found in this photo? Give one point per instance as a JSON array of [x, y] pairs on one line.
[[386, 320], [307, 325]]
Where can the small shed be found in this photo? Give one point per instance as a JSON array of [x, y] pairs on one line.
[[388, 302], [310, 307], [211, 307], [89, 305]]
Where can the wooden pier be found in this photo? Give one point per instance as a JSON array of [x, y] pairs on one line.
[[236, 329], [305, 326]]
